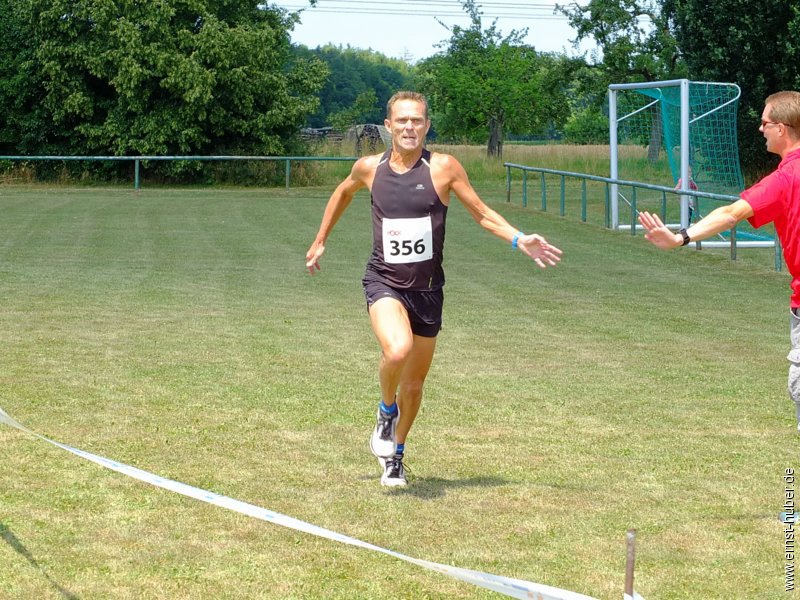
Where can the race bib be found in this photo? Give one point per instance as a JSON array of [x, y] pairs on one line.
[[407, 240]]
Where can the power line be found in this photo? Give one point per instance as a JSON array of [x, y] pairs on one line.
[[422, 13], [511, 10], [444, 3]]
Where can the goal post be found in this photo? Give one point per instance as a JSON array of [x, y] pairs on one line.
[[684, 133]]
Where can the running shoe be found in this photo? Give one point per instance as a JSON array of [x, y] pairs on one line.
[[383, 442], [394, 474]]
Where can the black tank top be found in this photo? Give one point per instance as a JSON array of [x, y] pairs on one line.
[[408, 222]]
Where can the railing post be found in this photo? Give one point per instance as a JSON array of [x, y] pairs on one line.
[[288, 172], [633, 210], [733, 243], [508, 183], [524, 188], [136, 182], [563, 208], [544, 193], [583, 200]]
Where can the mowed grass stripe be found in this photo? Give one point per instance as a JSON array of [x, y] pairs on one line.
[[177, 330]]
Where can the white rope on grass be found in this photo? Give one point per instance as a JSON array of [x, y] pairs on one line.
[[514, 588]]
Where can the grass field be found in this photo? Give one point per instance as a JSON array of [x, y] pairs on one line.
[[177, 331]]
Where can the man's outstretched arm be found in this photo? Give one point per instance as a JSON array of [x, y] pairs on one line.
[[718, 220]]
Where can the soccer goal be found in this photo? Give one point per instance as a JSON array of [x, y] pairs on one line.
[[678, 133]]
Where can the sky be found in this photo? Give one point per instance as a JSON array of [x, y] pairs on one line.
[[408, 29]]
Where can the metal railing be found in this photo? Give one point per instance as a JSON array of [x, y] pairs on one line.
[[137, 160], [734, 241]]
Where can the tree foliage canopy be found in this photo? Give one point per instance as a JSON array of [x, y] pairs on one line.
[[161, 77], [130, 77], [353, 74], [702, 40], [728, 40], [635, 38], [486, 84]]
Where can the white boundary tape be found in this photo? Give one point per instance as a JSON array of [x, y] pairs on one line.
[[514, 588]]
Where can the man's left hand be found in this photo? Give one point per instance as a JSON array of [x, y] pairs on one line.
[[542, 253]]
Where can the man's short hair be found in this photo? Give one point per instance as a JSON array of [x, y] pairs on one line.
[[406, 95], [785, 108]]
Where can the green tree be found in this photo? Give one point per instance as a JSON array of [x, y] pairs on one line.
[[587, 94], [634, 36], [637, 44], [726, 40], [348, 120], [357, 113], [162, 77], [24, 123], [586, 126], [354, 72], [485, 85]]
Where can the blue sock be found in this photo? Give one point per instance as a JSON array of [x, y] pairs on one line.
[[389, 410], [400, 448]]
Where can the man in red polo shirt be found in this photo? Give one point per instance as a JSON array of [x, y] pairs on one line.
[[774, 199]]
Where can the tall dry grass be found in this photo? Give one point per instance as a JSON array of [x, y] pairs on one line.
[[482, 169], [589, 159]]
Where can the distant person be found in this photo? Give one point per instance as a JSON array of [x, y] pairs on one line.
[[693, 187], [774, 199], [410, 192]]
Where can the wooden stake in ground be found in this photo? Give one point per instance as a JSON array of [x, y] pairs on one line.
[[629, 563]]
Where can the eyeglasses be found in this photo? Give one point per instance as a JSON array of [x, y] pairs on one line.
[[765, 123]]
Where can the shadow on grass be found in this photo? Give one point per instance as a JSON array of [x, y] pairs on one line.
[[12, 540], [436, 487]]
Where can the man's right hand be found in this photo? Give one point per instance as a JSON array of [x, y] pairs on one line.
[[657, 233], [312, 257]]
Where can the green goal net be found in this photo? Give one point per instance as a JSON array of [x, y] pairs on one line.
[[663, 131], [651, 119]]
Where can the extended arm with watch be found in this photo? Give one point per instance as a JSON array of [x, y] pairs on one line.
[[718, 220]]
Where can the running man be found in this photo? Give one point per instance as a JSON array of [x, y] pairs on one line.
[[410, 192]]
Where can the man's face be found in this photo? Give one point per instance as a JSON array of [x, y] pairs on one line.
[[771, 130], [407, 124]]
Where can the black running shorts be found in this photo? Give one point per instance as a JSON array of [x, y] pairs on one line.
[[424, 307]]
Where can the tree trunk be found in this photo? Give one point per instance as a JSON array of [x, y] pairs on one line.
[[656, 134], [495, 146]]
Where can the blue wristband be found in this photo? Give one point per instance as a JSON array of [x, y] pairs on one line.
[[516, 239]]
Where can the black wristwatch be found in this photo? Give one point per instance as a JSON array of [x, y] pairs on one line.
[[686, 238]]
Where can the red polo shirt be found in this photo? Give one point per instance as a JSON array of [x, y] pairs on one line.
[[776, 198]]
